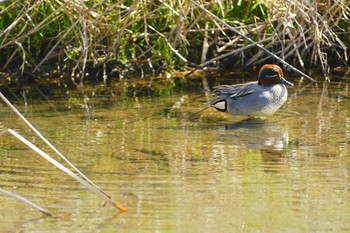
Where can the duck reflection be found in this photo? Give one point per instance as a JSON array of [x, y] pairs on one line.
[[269, 137]]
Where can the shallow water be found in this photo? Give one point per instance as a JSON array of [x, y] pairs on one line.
[[179, 172]]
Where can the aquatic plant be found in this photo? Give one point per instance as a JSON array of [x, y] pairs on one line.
[[98, 40]]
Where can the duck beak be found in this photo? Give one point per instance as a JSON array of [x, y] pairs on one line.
[[285, 82]]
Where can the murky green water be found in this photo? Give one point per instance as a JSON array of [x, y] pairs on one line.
[[176, 172]]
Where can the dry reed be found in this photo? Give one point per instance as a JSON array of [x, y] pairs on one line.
[[100, 39]]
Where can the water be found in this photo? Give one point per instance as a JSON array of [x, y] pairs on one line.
[[179, 172]]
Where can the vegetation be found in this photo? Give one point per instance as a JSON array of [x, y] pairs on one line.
[[100, 40]]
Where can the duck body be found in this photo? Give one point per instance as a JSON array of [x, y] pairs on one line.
[[255, 99]]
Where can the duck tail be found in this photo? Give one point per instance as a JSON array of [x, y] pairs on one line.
[[219, 104]]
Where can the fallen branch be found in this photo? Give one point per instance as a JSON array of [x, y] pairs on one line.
[[201, 66], [251, 41]]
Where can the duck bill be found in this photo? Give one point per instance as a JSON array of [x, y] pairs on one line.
[[285, 82]]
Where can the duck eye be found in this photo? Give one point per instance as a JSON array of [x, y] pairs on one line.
[[271, 76]]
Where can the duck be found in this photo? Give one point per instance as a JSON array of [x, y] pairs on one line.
[[260, 98]]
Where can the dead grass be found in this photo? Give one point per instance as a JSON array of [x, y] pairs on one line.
[[114, 39]]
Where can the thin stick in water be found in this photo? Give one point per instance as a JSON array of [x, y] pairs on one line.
[[26, 201], [66, 170], [47, 142]]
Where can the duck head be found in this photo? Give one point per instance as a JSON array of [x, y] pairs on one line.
[[271, 74]]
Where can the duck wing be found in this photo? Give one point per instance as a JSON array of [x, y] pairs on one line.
[[235, 91]]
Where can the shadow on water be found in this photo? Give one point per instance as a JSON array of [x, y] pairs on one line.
[[270, 138], [250, 133], [257, 134]]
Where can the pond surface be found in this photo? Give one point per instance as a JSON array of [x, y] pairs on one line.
[[178, 171]]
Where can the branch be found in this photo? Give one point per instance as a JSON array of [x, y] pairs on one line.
[[251, 41]]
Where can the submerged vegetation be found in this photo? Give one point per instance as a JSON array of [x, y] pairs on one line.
[[100, 40]]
